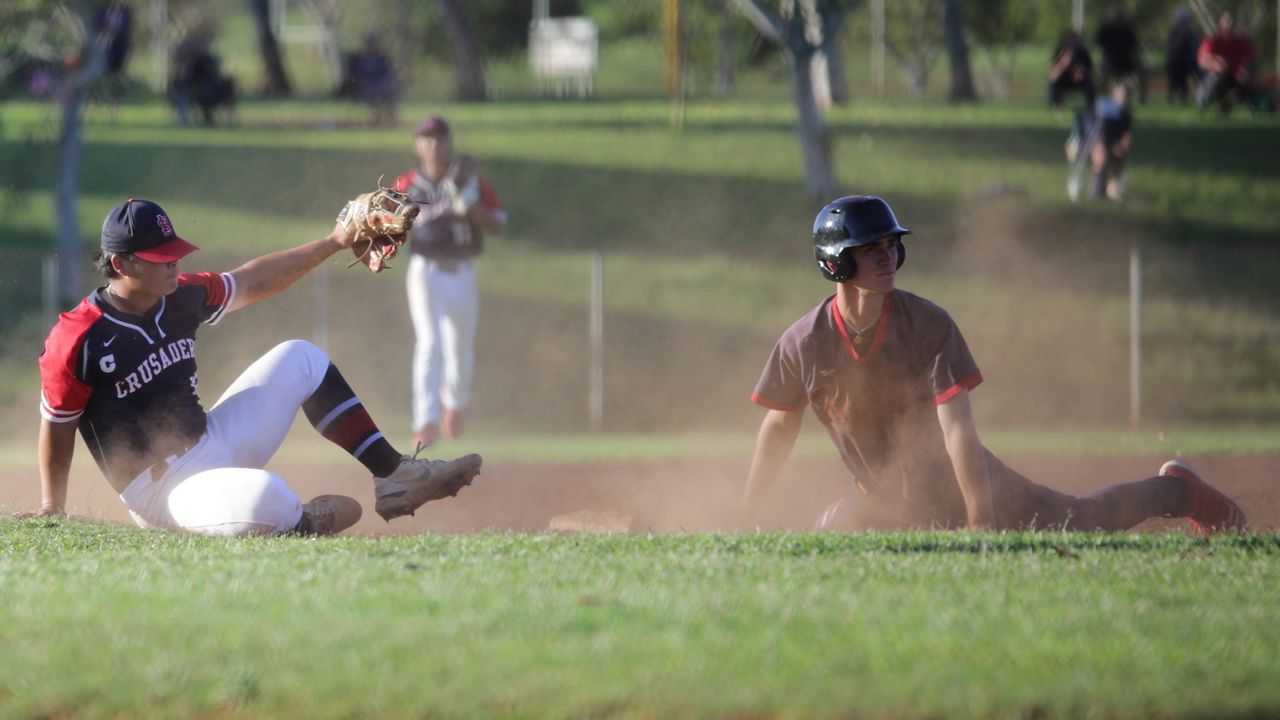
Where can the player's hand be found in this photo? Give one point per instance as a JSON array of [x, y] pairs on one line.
[[44, 511]]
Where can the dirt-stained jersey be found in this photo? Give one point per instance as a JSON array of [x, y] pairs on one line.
[[130, 380], [878, 398]]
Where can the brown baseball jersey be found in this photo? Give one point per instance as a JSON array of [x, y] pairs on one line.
[[878, 397]]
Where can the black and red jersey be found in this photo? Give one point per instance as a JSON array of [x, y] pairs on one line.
[[130, 380], [877, 399], [447, 236]]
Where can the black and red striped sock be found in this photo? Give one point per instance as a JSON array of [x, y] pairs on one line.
[[337, 414]]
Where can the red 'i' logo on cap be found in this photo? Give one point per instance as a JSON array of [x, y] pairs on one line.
[[165, 227]]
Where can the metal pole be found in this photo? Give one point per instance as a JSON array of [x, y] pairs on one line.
[[320, 301], [1278, 45], [1077, 16], [877, 46], [1135, 337], [49, 290], [595, 380], [159, 45]]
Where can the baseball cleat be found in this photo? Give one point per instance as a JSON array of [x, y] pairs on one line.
[[416, 482], [1211, 511], [452, 423], [329, 515]]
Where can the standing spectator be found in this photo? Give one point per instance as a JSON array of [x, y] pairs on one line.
[[1180, 56], [458, 207], [115, 24], [1072, 69], [1121, 54], [1110, 153], [1226, 58]]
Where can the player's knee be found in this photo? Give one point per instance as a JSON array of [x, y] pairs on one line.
[[305, 356]]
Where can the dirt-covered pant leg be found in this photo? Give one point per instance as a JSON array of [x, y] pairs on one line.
[[1022, 504]]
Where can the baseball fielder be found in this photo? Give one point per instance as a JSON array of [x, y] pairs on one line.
[[888, 374], [121, 369], [457, 207]]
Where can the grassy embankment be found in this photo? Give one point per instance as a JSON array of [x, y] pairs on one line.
[[705, 235]]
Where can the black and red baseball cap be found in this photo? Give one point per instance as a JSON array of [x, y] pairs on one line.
[[142, 228], [433, 126]]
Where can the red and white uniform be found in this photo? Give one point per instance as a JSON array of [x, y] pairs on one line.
[[444, 299], [131, 380], [131, 383]]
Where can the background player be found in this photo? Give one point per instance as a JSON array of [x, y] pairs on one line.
[[458, 207], [121, 368], [888, 374]]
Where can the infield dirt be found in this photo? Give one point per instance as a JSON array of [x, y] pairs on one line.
[[675, 496]]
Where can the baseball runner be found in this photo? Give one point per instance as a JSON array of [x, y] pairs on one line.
[[121, 369], [888, 374], [457, 207]]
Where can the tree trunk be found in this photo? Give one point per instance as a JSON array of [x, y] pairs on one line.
[[815, 141], [726, 60], [466, 52], [962, 89], [837, 79], [275, 79]]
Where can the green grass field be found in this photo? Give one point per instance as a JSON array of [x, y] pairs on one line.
[[103, 621]]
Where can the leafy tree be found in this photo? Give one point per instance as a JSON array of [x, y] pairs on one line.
[[914, 37], [999, 28]]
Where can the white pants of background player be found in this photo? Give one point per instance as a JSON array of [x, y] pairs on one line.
[[444, 303], [218, 487]]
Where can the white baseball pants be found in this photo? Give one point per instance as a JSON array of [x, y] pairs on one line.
[[444, 303], [218, 487]]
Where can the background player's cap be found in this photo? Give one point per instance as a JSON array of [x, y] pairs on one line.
[[433, 126], [142, 228]]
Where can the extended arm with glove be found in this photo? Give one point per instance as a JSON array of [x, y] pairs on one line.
[[378, 221]]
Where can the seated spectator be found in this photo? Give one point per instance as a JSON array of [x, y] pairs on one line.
[[1180, 56], [198, 79], [1226, 58], [369, 77], [1072, 69]]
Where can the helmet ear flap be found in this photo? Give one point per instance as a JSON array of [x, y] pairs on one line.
[[839, 267]]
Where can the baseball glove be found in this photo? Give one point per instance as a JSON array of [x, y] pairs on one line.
[[378, 221]]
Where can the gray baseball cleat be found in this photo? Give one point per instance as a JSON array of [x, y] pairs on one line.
[[329, 515], [416, 482]]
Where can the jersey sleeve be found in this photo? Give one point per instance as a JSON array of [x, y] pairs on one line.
[[63, 391], [781, 385], [489, 200], [219, 292], [954, 369], [404, 181]]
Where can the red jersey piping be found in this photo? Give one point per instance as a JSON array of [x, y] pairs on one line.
[[966, 383], [755, 398], [881, 331]]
